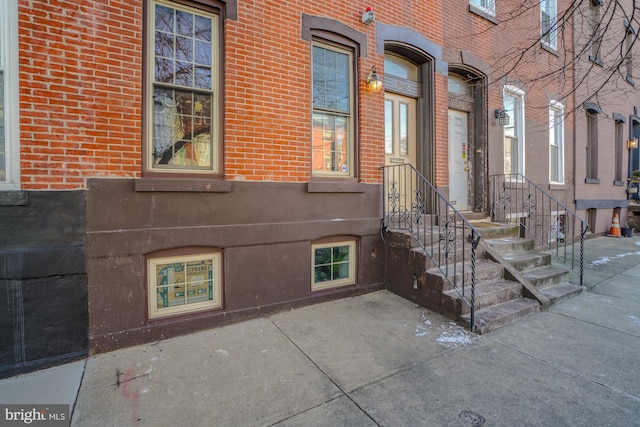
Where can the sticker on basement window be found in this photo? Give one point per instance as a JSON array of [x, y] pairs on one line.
[[343, 168], [184, 283]]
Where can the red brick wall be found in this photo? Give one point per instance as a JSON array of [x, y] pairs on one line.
[[517, 34], [268, 87], [81, 89]]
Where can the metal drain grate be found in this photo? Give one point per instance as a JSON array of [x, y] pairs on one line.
[[471, 418]]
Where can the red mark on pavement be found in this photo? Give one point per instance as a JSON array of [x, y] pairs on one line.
[[131, 395]]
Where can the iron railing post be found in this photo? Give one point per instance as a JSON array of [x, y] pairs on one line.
[[475, 239]]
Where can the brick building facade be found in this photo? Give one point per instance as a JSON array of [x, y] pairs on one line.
[[176, 165]]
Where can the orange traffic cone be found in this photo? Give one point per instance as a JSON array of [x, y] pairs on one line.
[[614, 231]]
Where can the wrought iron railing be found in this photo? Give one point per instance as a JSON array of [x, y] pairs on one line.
[[517, 200], [411, 203]]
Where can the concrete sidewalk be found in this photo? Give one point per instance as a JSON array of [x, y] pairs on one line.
[[377, 359]]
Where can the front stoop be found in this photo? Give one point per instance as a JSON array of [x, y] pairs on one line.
[[536, 267], [513, 280], [498, 300]]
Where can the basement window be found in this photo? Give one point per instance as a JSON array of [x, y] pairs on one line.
[[333, 265], [182, 284]]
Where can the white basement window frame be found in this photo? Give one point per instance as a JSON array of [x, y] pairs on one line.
[[333, 264], [184, 284]]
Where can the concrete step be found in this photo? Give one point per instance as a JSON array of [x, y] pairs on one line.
[[476, 216], [440, 256], [511, 245], [529, 260], [487, 293], [491, 318], [562, 292], [547, 277], [495, 230], [405, 220], [398, 239], [461, 273], [433, 239]]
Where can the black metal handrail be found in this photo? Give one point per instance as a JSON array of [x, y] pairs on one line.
[[411, 203], [518, 200]]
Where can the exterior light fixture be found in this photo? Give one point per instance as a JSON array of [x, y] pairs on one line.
[[632, 143], [374, 82], [368, 17], [502, 116]]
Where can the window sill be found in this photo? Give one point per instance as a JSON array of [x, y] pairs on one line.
[[335, 187], [618, 183], [14, 198], [596, 61], [556, 186], [183, 185], [592, 181], [483, 14], [552, 50]]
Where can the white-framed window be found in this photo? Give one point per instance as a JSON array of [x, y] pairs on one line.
[[556, 142], [487, 6], [514, 132], [333, 145], [183, 63], [333, 264], [549, 23], [9, 105], [182, 284]]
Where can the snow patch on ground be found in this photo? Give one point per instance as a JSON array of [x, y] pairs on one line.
[[606, 259], [634, 319], [448, 334], [455, 337]]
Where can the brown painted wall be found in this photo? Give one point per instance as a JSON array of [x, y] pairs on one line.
[[264, 230]]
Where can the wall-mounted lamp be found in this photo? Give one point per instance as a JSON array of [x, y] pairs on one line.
[[632, 143], [374, 82], [368, 17], [502, 116]]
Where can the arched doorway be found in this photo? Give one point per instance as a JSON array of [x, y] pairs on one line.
[[467, 141], [400, 110], [408, 76]]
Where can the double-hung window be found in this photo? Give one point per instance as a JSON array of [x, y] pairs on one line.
[[487, 6], [549, 23], [556, 143], [333, 110], [514, 131], [184, 88], [9, 107]]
